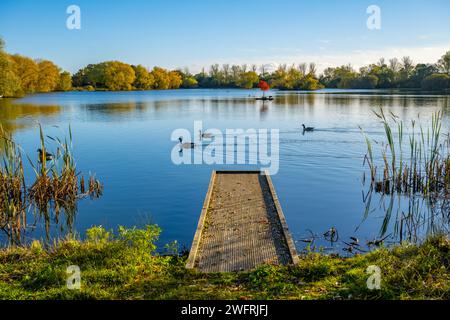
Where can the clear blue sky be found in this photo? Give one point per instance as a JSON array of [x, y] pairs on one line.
[[195, 33]]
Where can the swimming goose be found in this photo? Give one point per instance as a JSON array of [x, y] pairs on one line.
[[204, 134], [48, 156], [307, 129], [186, 145]]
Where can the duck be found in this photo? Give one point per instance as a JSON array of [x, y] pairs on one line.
[[307, 129], [204, 134], [186, 145], [48, 156]]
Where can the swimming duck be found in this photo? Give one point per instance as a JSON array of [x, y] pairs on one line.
[[186, 145], [204, 134], [48, 156], [307, 129]]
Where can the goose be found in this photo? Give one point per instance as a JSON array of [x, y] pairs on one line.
[[204, 134], [48, 156], [307, 129], [186, 145]]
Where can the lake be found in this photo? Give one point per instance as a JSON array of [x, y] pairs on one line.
[[125, 139]]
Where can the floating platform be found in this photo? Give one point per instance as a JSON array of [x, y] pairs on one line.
[[269, 98], [241, 225]]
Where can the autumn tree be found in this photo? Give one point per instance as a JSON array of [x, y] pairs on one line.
[[28, 72], [118, 76], [162, 79], [144, 80], [48, 76], [175, 79], [9, 82], [65, 82]]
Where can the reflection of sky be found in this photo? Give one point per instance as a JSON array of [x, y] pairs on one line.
[[125, 139]]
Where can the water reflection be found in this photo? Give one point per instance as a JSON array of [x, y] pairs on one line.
[[125, 138], [12, 115], [409, 218]]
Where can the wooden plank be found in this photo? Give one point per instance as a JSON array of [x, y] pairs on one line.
[[241, 225], [201, 222], [287, 235]]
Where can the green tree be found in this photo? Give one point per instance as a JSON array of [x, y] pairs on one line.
[[189, 82], [91, 75], [421, 71], [280, 78], [248, 80], [309, 82], [444, 63], [406, 71], [340, 77], [144, 79], [436, 82], [217, 76]]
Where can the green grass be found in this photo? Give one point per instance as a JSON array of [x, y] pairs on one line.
[[125, 266]]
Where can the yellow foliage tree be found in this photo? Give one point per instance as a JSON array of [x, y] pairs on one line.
[[144, 79], [162, 78], [65, 82], [175, 79], [118, 76], [9, 81], [28, 72], [48, 76]]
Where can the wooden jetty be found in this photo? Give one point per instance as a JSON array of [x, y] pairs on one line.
[[241, 225]]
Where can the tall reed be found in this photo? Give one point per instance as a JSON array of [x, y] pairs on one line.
[[428, 170], [57, 186], [12, 188]]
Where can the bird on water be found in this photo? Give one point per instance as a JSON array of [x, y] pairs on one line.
[[307, 129], [186, 145]]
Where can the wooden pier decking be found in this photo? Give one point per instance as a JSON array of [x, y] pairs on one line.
[[241, 225]]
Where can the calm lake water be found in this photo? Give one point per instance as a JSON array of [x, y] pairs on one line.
[[125, 139]]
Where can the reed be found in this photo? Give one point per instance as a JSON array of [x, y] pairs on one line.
[[57, 185], [12, 188], [426, 172]]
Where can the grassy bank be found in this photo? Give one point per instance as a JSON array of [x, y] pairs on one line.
[[125, 267]]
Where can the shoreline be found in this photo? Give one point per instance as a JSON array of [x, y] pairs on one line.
[[126, 267]]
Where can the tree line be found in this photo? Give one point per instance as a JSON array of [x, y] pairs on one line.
[[391, 74], [20, 75], [115, 75]]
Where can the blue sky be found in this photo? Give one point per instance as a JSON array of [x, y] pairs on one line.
[[196, 33]]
